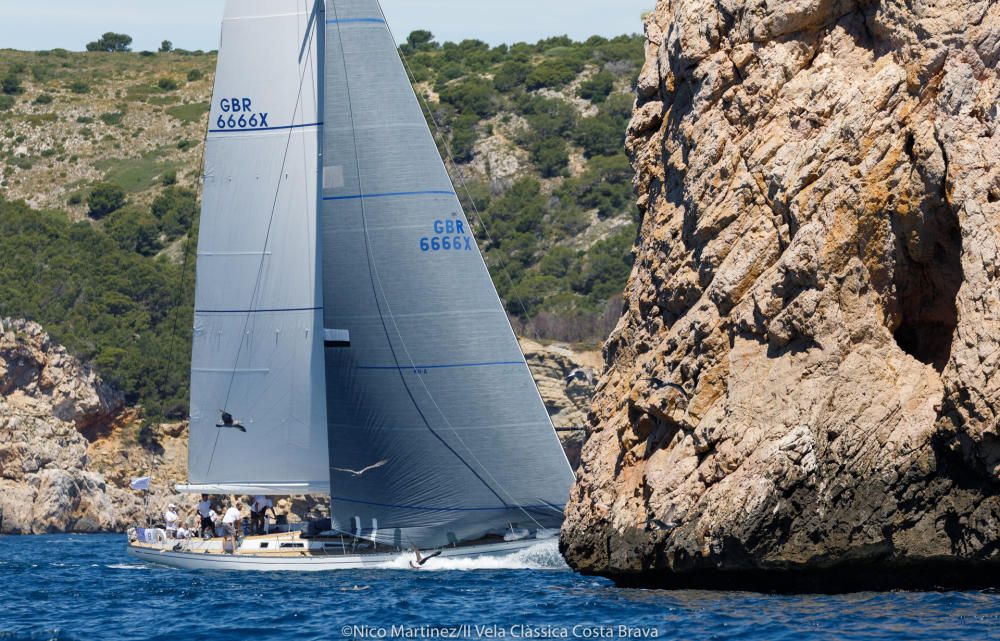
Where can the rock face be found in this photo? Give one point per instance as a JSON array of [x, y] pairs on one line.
[[565, 380], [817, 274]]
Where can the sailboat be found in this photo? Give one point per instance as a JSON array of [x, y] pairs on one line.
[[348, 341]]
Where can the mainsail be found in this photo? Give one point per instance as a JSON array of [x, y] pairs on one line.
[[424, 374], [257, 352]]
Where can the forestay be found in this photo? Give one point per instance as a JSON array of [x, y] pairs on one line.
[[258, 322], [427, 385]]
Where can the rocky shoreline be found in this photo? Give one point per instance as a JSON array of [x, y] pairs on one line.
[[69, 446], [802, 393]]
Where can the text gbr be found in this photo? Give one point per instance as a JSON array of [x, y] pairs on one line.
[[449, 235], [238, 113]]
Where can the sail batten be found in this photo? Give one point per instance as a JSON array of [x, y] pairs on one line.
[[433, 362]]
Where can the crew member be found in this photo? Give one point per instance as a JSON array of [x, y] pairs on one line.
[[205, 514], [171, 520], [258, 513], [231, 523]]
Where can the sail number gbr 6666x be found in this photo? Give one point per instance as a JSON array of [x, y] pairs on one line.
[[449, 235], [238, 113]]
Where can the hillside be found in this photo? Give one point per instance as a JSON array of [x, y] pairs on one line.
[[105, 151]]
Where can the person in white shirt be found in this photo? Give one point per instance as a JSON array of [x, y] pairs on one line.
[[231, 522], [207, 523], [183, 532], [171, 520], [258, 513]]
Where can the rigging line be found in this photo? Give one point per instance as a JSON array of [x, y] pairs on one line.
[[267, 237], [426, 390], [458, 170], [373, 271]]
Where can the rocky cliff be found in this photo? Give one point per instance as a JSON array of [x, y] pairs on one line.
[[802, 392], [69, 447]]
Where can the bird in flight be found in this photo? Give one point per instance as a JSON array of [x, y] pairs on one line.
[[363, 470], [421, 559], [229, 422]]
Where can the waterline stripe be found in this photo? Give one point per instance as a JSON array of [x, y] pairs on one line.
[[392, 194], [226, 131], [403, 368]]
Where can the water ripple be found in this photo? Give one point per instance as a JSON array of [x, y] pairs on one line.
[[70, 588]]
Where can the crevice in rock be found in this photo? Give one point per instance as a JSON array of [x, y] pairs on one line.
[[927, 286]]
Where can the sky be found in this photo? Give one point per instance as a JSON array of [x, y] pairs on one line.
[[194, 24]]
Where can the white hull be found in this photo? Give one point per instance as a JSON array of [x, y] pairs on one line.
[[188, 560]]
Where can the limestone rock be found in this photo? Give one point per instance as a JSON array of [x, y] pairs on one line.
[[802, 391], [565, 380]]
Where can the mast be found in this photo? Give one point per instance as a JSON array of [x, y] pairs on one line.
[[257, 350], [437, 433]]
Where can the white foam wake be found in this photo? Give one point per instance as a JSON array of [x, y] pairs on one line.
[[544, 555]]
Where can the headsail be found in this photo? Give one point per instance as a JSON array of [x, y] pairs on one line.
[[257, 352], [427, 378]]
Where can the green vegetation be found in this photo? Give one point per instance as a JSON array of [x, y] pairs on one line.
[[127, 313], [194, 112], [113, 42], [105, 198], [556, 228], [557, 273]]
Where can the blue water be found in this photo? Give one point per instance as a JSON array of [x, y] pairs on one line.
[[85, 587]]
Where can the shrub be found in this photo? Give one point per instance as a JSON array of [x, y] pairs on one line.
[[11, 84], [6, 102], [105, 198], [43, 99], [175, 209], [474, 96], [113, 42], [112, 118], [550, 156], [597, 88], [550, 117], [167, 84], [463, 138], [169, 178], [553, 74], [75, 199], [79, 86], [600, 136], [134, 230], [166, 46], [511, 75], [195, 75]]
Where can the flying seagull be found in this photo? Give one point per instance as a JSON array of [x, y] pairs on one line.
[[228, 421], [362, 471], [659, 384], [420, 559]]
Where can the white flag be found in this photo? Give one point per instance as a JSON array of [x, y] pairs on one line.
[[141, 483]]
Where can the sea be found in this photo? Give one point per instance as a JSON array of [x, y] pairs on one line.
[[84, 587]]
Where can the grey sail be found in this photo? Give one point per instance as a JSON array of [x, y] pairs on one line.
[[426, 384], [258, 350]]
